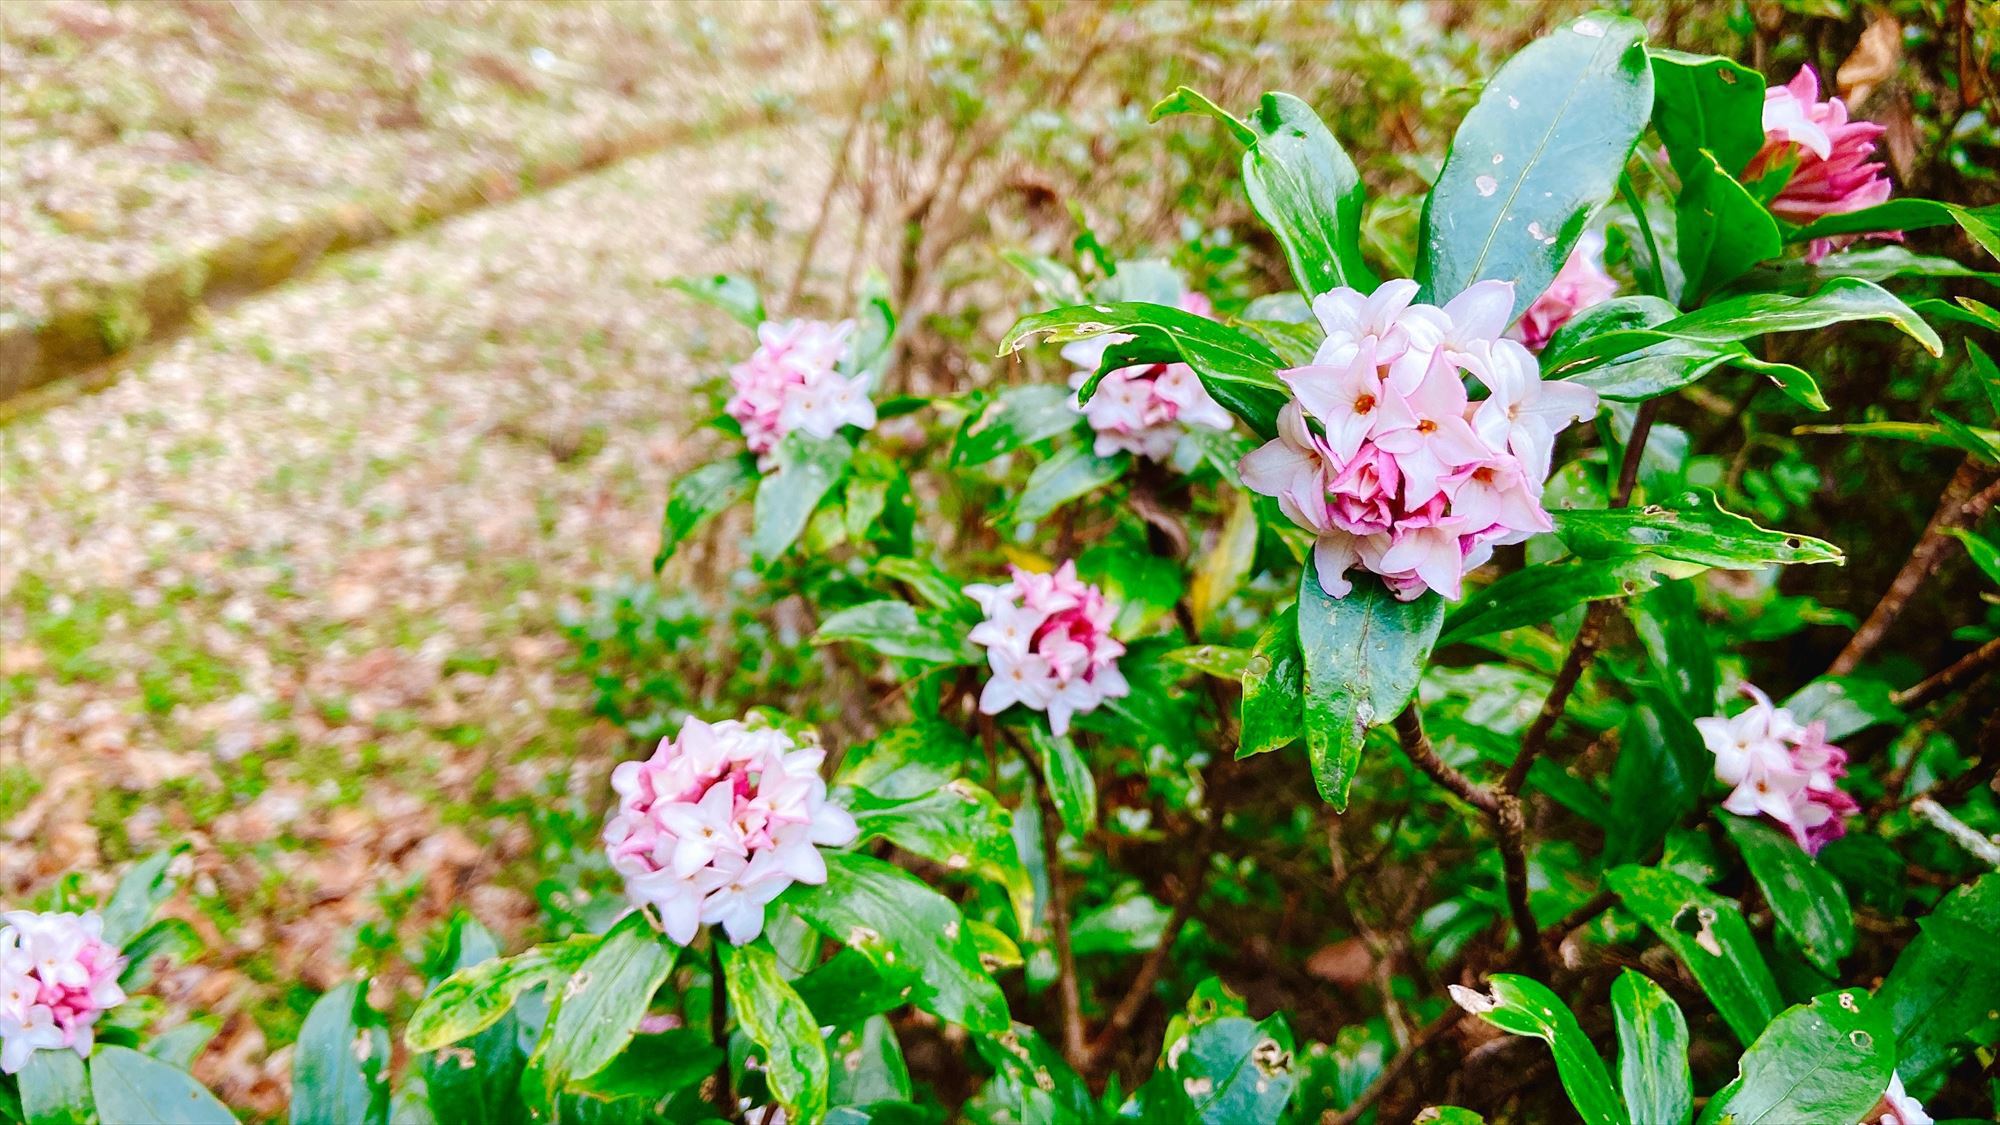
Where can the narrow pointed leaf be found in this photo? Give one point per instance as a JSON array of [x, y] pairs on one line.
[[1523, 1006], [775, 1018], [1652, 1051], [340, 1068], [1693, 528]]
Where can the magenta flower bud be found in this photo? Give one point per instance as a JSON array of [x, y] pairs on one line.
[[1832, 159]]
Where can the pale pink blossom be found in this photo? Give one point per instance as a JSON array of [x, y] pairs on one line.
[[1781, 769], [1382, 455], [792, 382], [718, 822], [1897, 1107], [1832, 159], [1048, 644], [57, 976], [1580, 284], [1144, 409]]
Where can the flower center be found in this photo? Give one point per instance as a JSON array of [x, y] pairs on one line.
[[1427, 427], [1364, 404]]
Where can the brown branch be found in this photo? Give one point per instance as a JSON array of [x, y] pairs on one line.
[[1969, 667], [1134, 1001], [1588, 636], [1635, 447], [1390, 1073], [1962, 504], [1417, 745], [1075, 1050]]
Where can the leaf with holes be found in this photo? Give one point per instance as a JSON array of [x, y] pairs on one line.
[[1828, 1060], [1707, 102], [1710, 936], [1523, 1006], [772, 1014]]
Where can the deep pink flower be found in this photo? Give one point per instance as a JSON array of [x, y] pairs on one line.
[[1832, 159], [1580, 284]]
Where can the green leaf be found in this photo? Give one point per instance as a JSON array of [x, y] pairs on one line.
[[870, 1066], [1234, 1071], [54, 1090], [1918, 432], [653, 1068], [478, 1082], [164, 941], [1070, 783], [736, 296], [1300, 182], [908, 761], [1692, 528], [601, 1006], [1536, 157], [1274, 688], [777, 1020], [699, 496], [1981, 224], [1363, 655], [1014, 418], [960, 826], [869, 349], [181, 1046], [1661, 774], [1707, 102], [129, 1086], [846, 989], [808, 468], [1523, 1006], [1723, 230], [1733, 319], [1538, 592], [1652, 1051], [473, 999], [1670, 625], [1944, 989], [138, 895], [1054, 283], [1031, 1076], [1221, 661], [1070, 473], [340, 1068], [1828, 1060], [895, 628], [1237, 369], [1808, 902], [1709, 935], [1669, 365], [913, 936], [1984, 553]]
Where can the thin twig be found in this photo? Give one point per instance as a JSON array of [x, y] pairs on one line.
[[1961, 505], [1068, 991], [1390, 1073], [1417, 745], [1968, 668], [1134, 1001], [1588, 635], [1982, 847], [1635, 449]]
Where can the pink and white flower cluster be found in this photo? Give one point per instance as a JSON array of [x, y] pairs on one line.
[[790, 383], [1835, 170], [1780, 769], [57, 975], [1048, 640], [1580, 284], [1382, 455], [1143, 410], [718, 822]]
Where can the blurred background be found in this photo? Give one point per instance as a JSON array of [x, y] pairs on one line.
[[339, 392]]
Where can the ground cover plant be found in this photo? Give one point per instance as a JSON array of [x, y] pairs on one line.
[[1267, 700]]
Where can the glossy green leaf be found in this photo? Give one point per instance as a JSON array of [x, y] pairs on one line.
[[1669, 365], [1032, 1078], [54, 1090], [1536, 157], [960, 826], [1918, 432], [699, 496], [180, 1046], [1652, 1051], [130, 1086], [340, 1067], [909, 760], [1662, 773], [1828, 1060], [896, 628], [846, 989], [1300, 182], [1670, 624], [1523, 1006], [1808, 902], [1538, 592], [1221, 661], [1070, 473], [1734, 319], [653, 1068], [1234, 1071], [736, 296], [1363, 656], [473, 999], [913, 936], [1709, 935], [1055, 283], [139, 893], [601, 1006], [1723, 230], [1274, 688], [1237, 369], [1014, 418], [478, 1081], [1707, 102], [1690, 528], [1984, 553], [868, 1066], [1068, 777], [772, 1014], [870, 348], [1981, 224], [1943, 993], [807, 469]]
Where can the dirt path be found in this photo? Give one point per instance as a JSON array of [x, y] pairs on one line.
[[288, 589]]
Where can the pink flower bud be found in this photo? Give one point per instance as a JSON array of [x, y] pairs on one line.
[[1833, 170]]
